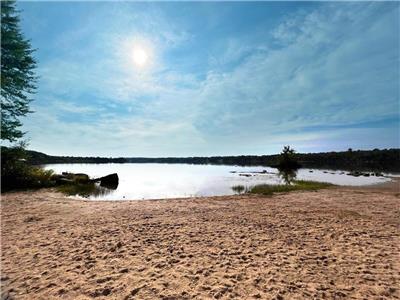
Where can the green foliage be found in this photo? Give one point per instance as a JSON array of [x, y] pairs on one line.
[[16, 173], [239, 189], [287, 159], [299, 185], [17, 73]]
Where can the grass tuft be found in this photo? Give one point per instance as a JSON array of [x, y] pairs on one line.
[[299, 185], [239, 189]]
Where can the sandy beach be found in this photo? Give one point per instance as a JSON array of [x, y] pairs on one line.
[[338, 243]]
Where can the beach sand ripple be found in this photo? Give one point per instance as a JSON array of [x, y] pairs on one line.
[[331, 244]]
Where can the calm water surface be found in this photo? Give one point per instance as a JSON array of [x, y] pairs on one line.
[[155, 181]]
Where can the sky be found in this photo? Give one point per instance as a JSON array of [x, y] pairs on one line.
[[160, 79]]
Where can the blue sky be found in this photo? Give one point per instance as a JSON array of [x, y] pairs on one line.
[[225, 78]]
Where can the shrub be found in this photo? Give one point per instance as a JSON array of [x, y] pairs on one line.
[[16, 173], [239, 189]]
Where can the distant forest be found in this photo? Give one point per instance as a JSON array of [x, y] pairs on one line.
[[370, 160]]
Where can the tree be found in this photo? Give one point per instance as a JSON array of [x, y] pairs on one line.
[[287, 159], [18, 78]]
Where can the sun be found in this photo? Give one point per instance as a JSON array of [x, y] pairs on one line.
[[140, 57]]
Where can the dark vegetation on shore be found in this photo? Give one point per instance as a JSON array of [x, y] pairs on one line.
[[270, 189], [18, 174], [387, 160], [20, 168]]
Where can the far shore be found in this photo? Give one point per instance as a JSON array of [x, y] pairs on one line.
[[335, 243]]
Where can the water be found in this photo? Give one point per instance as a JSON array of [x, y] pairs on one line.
[[157, 181]]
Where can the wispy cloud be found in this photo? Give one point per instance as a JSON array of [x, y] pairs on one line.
[[326, 64]]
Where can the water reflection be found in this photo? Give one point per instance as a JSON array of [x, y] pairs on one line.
[[88, 190], [160, 181], [288, 175], [238, 189]]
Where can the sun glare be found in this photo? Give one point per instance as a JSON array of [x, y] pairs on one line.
[[140, 57]]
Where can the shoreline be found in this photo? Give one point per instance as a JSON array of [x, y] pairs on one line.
[[333, 243], [388, 186], [392, 186]]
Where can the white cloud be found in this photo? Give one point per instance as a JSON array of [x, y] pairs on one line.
[[325, 73], [334, 66]]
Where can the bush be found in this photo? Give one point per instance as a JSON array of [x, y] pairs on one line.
[[16, 173], [239, 189]]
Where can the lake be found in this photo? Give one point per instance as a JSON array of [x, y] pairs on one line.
[[156, 181]]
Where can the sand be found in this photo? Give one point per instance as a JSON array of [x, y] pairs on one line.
[[338, 243]]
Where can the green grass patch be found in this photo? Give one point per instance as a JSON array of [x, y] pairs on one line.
[[239, 189], [298, 185]]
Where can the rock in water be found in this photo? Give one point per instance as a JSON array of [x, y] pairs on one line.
[[110, 181], [81, 178], [71, 178]]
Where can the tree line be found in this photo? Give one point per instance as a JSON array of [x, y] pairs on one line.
[[380, 160]]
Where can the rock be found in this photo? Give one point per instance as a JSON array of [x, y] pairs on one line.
[[68, 178], [245, 175], [64, 181], [354, 173], [81, 178], [110, 181]]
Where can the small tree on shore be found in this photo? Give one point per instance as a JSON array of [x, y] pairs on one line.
[[287, 159], [18, 83], [17, 73]]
